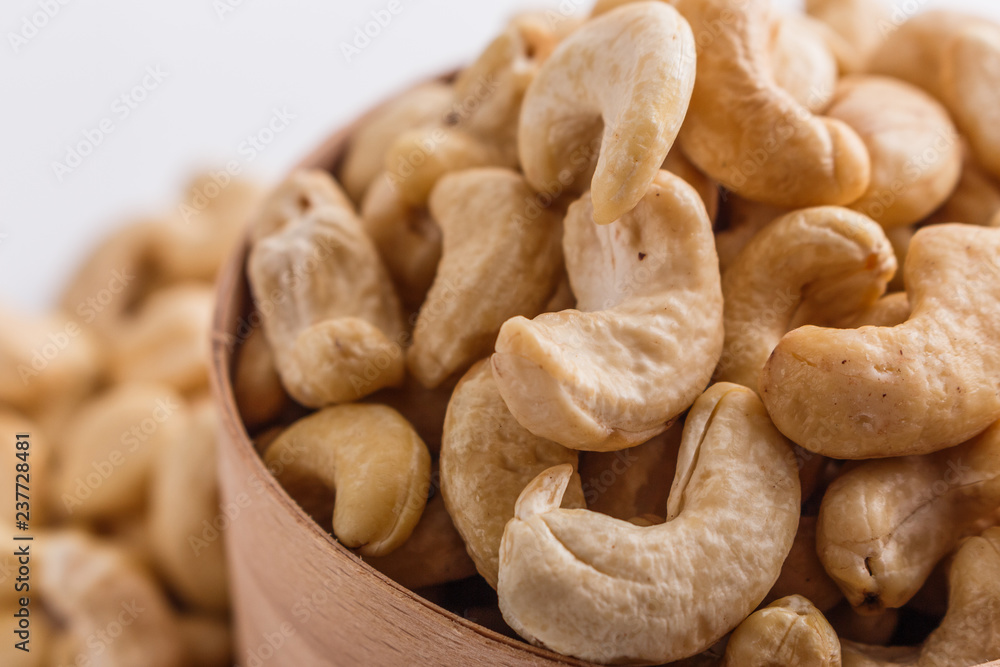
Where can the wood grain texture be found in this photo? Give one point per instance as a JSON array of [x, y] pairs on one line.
[[299, 597]]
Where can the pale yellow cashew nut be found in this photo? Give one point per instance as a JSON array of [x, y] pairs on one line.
[[646, 334], [487, 458], [789, 631], [802, 572], [915, 151], [816, 266], [925, 385], [502, 257], [884, 525], [744, 131], [626, 78], [329, 309], [605, 590], [371, 458]]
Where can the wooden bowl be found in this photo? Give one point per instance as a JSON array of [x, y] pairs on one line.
[[299, 597]]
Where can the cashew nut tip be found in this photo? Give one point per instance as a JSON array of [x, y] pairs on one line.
[[645, 336], [625, 79], [371, 459], [919, 387], [609, 591]]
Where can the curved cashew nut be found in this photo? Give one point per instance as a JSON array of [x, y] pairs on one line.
[[789, 631], [802, 63], [433, 554], [185, 494], [630, 483], [970, 78], [110, 447], [914, 147], [647, 334], [407, 238], [750, 135], [330, 313], [167, 340], [884, 525], [371, 458], [487, 458], [802, 572], [422, 106], [969, 634], [626, 75], [260, 396], [91, 586], [573, 580], [502, 258], [814, 266], [925, 385], [856, 22]]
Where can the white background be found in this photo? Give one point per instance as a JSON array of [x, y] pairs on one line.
[[228, 65]]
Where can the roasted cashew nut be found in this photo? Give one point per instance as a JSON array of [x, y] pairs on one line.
[[90, 587], [645, 338], [915, 152], [749, 134], [371, 458], [925, 385], [330, 312], [884, 525], [969, 634], [605, 590], [487, 458], [789, 631], [816, 266], [502, 258], [625, 76]]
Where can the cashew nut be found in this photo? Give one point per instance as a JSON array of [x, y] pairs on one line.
[[645, 338], [167, 340], [789, 631], [916, 155], [889, 311], [884, 525], [109, 448], [857, 22], [969, 634], [486, 460], [626, 77], [507, 263], [801, 62], [420, 107], [184, 496], [90, 586], [816, 266], [747, 133], [970, 79], [925, 385], [407, 238], [330, 313], [260, 397], [975, 200], [371, 458], [604, 590], [678, 165], [741, 220]]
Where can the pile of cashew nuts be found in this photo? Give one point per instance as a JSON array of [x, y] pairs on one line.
[[679, 325], [127, 566]]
